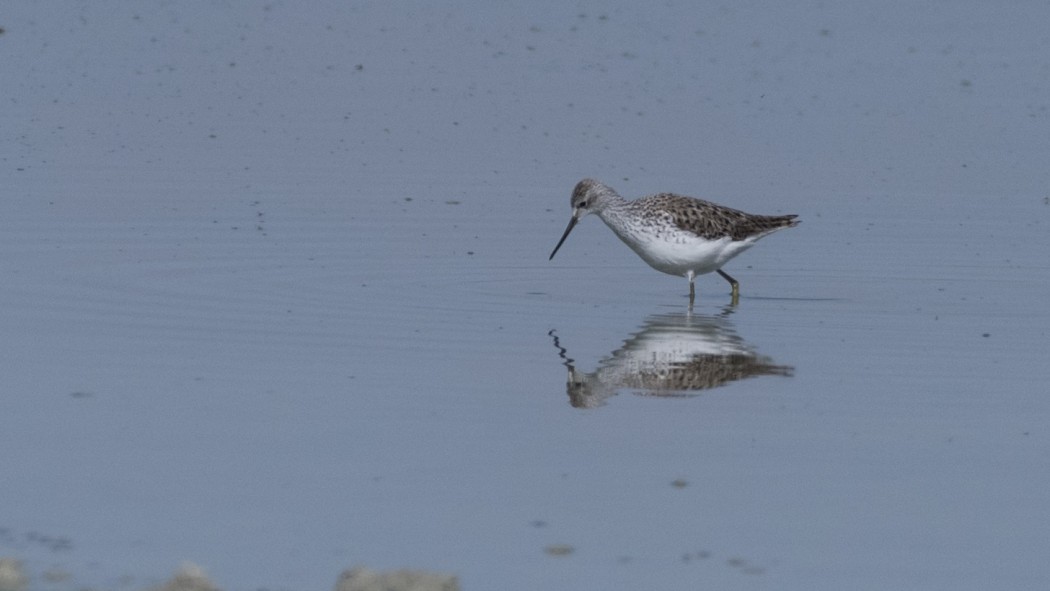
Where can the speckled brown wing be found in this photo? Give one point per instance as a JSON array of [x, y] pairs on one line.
[[713, 221], [706, 371]]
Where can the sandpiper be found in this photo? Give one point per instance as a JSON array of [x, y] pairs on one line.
[[675, 234]]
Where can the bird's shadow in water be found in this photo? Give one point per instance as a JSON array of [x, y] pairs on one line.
[[672, 355]]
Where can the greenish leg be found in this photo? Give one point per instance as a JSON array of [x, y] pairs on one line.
[[733, 283]]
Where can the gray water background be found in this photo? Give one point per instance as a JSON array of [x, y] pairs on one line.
[[276, 297]]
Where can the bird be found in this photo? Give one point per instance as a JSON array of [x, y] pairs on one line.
[[675, 234]]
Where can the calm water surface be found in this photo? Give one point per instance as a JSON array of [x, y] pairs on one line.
[[277, 314]]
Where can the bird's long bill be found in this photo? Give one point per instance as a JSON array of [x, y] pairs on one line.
[[572, 224]]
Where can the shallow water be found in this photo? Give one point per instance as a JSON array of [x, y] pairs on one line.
[[278, 315]]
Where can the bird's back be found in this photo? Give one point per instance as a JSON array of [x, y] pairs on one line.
[[711, 220]]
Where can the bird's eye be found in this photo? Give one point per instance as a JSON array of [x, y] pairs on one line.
[[583, 203]]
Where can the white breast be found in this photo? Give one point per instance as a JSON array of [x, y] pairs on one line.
[[676, 252]]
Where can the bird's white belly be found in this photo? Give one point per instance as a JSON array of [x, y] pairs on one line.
[[678, 253]]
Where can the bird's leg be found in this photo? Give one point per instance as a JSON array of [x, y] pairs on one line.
[[692, 287], [732, 282]]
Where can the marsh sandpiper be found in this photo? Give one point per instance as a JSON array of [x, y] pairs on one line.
[[675, 234]]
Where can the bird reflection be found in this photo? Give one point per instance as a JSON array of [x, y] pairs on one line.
[[673, 355]]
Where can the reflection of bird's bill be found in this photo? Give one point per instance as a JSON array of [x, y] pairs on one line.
[[572, 224]]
